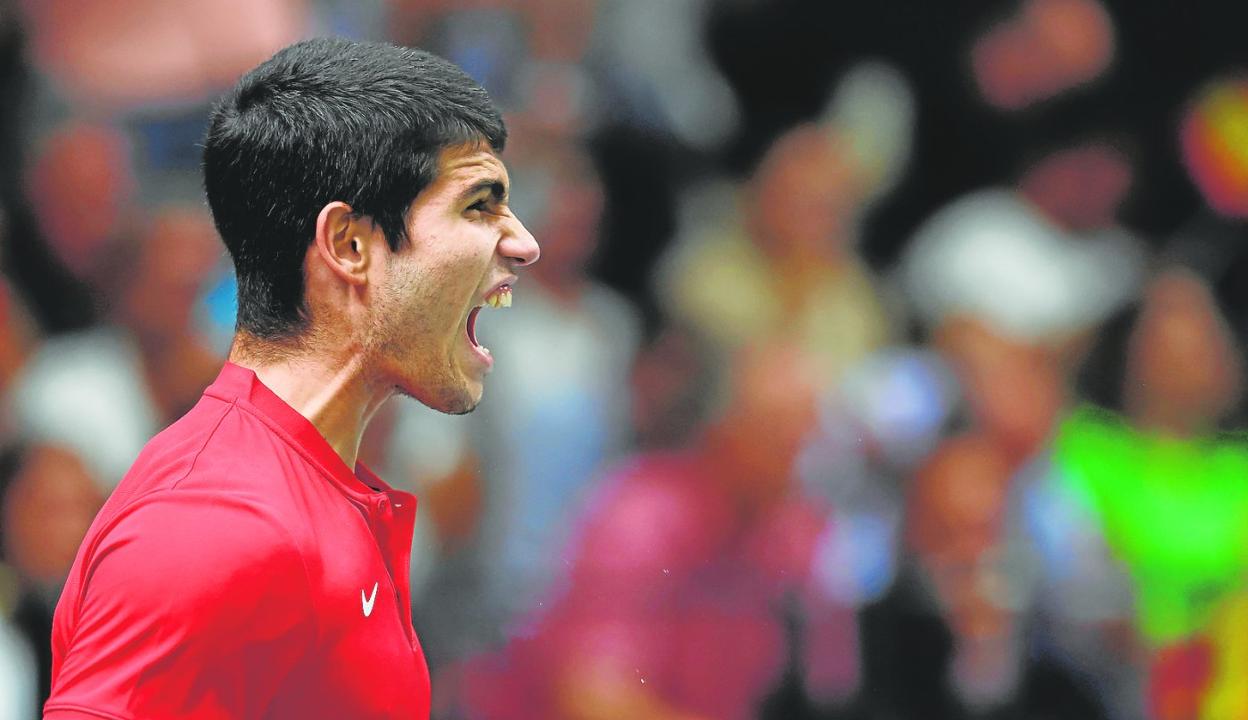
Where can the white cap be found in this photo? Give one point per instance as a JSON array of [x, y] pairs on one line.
[[992, 256]]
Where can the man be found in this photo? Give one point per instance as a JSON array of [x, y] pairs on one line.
[[243, 568]]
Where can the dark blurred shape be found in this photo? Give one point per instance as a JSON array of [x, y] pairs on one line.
[[672, 384], [167, 265], [17, 342], [82, 188], [104, 391], [48, 499], [949, 639], [640, 174], [782, 57]]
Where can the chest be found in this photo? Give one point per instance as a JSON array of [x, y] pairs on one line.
[[367, 661]]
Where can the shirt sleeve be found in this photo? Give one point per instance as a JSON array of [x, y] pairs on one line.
[[189, 605]]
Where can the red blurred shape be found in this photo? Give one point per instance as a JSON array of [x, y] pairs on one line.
[[119, 53], [1214, 139], [1050, 47]]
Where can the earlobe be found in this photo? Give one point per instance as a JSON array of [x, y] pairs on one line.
[[338, 245]]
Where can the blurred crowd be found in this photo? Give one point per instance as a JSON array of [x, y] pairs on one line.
[[884, 360]]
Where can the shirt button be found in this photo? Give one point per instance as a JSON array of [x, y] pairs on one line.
[[383, 503]]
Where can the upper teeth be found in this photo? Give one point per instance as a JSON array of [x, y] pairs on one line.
[[500, 298]]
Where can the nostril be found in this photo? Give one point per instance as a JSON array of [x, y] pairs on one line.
[[520, 247], [523, 260]]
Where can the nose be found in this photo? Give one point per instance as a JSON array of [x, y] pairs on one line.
[[518, 244]]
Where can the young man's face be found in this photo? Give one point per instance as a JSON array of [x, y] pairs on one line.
[[464, 248]]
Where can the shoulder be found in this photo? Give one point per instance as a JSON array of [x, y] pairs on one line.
[[180, 586], [196, 541], [218, 445], [205, 568]]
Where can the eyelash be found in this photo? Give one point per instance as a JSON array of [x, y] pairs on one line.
[[481, 205]]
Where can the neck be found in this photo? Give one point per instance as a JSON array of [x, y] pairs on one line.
[[333, 389]]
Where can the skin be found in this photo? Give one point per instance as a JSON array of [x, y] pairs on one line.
[[388, 322], [1183, 368], [46, 512]]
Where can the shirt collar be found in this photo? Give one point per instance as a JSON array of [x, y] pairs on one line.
[[240, 385]]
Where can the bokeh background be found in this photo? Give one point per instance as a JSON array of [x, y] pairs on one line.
[[884, 361]]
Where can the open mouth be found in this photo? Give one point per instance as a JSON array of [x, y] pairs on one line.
[[499, 298], [472, 326]]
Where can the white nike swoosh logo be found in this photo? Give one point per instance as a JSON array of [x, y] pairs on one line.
[[368, 602]]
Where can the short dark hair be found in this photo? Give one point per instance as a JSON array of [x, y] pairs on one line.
[[323, 120]]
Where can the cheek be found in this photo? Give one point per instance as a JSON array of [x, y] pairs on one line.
[[456, 265], [421, 316]]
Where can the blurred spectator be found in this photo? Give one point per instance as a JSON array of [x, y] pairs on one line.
[[82, 185], [949, 639], [685, 564], [1169, 495], [992, 255], [1081, 189], [778, 260], [47, 501], [106, 390], [115, 55], [1184, 372], [1013, 390], [889, 413], [1009, 285]]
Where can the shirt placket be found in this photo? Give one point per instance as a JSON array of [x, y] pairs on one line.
[[391, 524]]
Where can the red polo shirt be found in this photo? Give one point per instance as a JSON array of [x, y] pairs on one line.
[[241, 570]]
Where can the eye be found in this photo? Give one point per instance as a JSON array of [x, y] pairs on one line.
[[481, 205]]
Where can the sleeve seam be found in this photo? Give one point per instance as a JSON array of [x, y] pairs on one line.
[[132, 503], [204, 446]]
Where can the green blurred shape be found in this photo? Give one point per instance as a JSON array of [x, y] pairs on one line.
[[1174, 510]]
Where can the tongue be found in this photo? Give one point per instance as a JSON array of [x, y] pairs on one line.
[[472, 326]]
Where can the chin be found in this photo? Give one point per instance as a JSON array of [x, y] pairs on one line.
[[460, 399], [467, 405]]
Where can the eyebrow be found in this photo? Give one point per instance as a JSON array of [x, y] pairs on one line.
[[498, 191]]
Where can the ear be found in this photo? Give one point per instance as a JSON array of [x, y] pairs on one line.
[[341, 242]]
